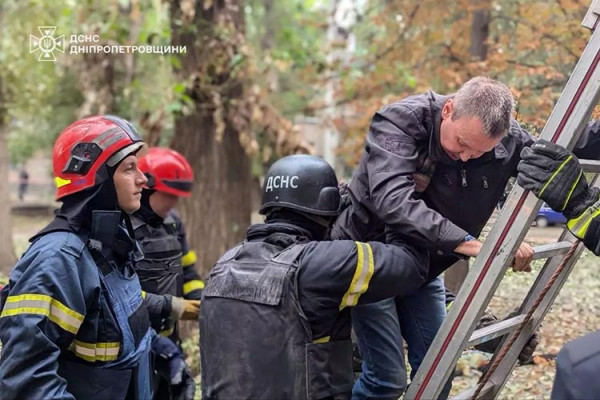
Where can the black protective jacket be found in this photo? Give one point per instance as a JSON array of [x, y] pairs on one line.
[[275, 317], [577, 366], [404, 139]]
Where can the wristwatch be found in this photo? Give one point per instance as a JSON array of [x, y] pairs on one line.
[[468, 238]]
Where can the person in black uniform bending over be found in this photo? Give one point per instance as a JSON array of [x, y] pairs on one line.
[[275, 315]]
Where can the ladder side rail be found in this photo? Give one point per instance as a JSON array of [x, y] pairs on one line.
[[564, 126], [574, 107], [475, 294], [502, 373], [505, 368]]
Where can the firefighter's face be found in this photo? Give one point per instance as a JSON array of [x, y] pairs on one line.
[[128, 181], [464, 138], [162, 202]]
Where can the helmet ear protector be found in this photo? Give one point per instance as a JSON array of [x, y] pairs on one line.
[[82, 158]]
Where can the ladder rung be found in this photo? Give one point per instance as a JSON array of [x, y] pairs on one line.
[[467, 394], [551, 250], [589, 21], [590, 165], [498, 329]]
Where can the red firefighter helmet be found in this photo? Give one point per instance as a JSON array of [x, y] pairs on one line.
[[85, 146], [167, 171]]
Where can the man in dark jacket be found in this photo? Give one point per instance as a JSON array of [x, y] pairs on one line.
[[73, 322], [554, 175], [433, 169], [275, 319]]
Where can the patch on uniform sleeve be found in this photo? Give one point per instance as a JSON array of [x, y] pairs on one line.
[[399, 146], [392, 144]]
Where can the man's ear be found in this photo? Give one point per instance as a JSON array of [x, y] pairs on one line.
[[447, 109]]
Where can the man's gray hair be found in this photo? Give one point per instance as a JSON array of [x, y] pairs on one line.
[[488, 100]]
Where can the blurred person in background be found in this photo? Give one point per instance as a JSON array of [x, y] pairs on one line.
[[168, 265]]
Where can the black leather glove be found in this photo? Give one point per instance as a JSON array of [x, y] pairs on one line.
[[526, 355], [554, 175], [186, 389], [171, 364], [490, 346]]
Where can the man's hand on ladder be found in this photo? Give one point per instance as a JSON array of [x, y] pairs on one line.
[[523, 257]]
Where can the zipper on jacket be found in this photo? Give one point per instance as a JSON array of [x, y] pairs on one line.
[[463, 174], [485, 182]]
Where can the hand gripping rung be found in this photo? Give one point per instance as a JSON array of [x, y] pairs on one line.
[[493, 331], [551, 250]]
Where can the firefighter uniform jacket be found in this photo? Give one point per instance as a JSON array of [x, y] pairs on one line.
[[71, 327], [168, 266], [275, 316], [161, 270], [192, 283], [577, 369]]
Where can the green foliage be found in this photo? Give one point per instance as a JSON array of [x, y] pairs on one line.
[[41, 98], [288, 40], [401, 47]]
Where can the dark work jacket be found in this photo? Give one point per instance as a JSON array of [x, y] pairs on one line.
[[578, 369], [403, 139], [275, 319]]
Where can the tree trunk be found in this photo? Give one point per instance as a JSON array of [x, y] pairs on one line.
[[7, 249], [480, 28], [218, 213]]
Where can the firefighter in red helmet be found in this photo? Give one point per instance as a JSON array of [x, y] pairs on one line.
[[168, 263], [73, 322]]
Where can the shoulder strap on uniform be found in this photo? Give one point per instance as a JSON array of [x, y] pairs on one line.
[[289, 254]]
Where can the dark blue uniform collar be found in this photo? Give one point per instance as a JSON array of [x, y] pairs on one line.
[[278, 233]]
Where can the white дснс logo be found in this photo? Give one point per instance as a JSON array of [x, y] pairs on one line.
[[47, 43]]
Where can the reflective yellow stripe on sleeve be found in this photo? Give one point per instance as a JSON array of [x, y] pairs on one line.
[[324, 339], [362, 275], [190, 286], [107, 351], [189, 259], [68, 319], [579, 226]]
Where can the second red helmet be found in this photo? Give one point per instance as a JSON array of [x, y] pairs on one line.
[[167, 171]]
